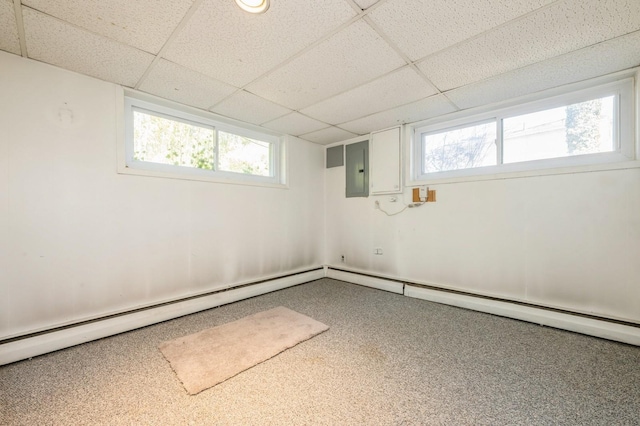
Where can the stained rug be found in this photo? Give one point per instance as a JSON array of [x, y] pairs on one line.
[[204, 359]]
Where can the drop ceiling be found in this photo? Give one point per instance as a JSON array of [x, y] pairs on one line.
[[329, 70]]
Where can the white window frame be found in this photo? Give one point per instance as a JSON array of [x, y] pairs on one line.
[[133, 101], [624, 134]]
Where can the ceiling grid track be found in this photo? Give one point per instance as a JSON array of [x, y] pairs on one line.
[[489, 31], [360, 14], [408, 60], [187, 16], [17, 7], [445, 61]]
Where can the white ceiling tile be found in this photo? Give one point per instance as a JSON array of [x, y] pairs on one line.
[[294, 124], [394, 89], [231, 45], [365, 4], [9, 40], [416, 111], [558, 29], [351, 57], [145, 25], [179, 84], [329, 135], [248, 107], [604, 58], [419, 29], [53, 41]]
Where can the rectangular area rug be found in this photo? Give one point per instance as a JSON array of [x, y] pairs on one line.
[[211, 356]]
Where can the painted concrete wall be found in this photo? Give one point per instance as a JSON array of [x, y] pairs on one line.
[[568, 241], [78, 240]]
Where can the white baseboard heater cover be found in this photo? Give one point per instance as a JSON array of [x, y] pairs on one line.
[[602, 328], [565, 321], [19, 349], [366, 280]]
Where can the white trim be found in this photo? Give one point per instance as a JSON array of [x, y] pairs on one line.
[[474, 293], [48, 342], [601, 167], [542, 315], [379, 283], [623, 85], [593, 327], [130, 100]]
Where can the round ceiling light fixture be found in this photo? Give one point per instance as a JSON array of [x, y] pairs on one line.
[[253, 6]]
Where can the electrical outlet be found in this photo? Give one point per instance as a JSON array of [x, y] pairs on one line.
[[377, 251], [420, 194]]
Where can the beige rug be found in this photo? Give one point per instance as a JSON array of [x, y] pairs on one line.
[[206, 358]]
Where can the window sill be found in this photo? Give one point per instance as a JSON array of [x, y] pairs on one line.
[[619, 165], [233, 179]]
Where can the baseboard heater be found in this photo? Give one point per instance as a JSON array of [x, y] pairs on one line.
[[606, 328], [33, 344]]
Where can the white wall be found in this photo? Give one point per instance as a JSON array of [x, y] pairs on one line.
[[78, 240], [568, 241]]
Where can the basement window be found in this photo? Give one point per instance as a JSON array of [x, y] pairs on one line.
[[585, 127], [170, 142]]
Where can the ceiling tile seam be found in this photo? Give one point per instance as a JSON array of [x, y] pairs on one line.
[[305, 115], [313, 131], [365, 12], [325, 128], [262, 124], [309, 47], [88, 31], [183, 22], [497, 76], [355, 6], [375, 6], [371, 80], [359, 15], [455, 106], [238, 90], [411, 65], [17, 10], [78, 27], [490, 30], [295, 56], [368, 10], [395, 47], [424, 76], [387, 110], [235, 92]]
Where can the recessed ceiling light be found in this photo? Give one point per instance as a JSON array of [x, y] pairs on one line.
[[254, 6]]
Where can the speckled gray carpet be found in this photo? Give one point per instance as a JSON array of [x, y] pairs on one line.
[[386, 360], [208, 357]]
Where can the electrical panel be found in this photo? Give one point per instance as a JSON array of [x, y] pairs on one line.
[[335, 156], [357, 169]]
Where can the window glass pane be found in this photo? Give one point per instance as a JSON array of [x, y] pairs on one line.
[[464, 148], [582, 128], [240, 154], [164, 141]]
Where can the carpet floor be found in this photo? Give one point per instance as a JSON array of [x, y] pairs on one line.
[[386, 360]]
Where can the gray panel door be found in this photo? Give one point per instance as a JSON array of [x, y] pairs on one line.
[[357, 169]]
